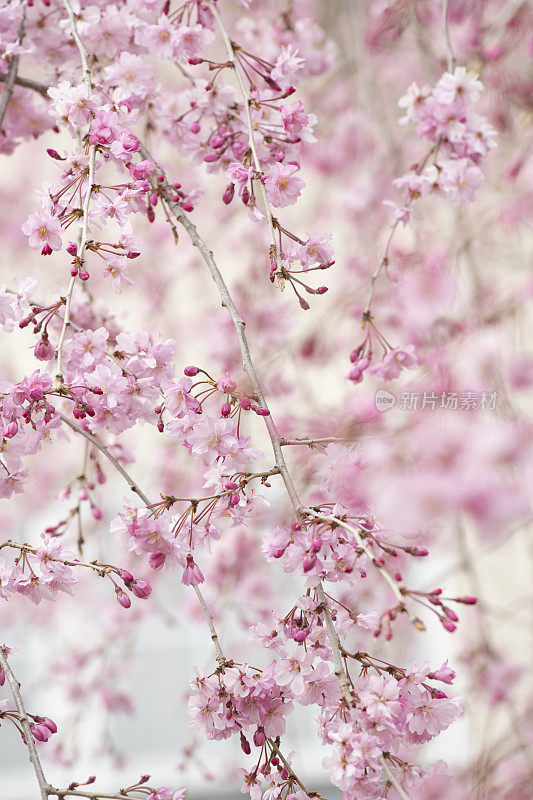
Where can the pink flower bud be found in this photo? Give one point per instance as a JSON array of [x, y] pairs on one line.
[[54, 154], [321, 290], [2, 677], [245, 745], [316, 544], [259, 737], [47, 250], [300, 636], [448, 624], [156, 560], [187, 206], [41, 733], [126, 576], [50, 724], [419, 552], [309, 563], [278, 552], [467, 600], [190, 372], [229, 192], [195, 127], [96, 512], [262, 412], [123, 598], [450, 614], [245, 403], [234, 499], [141, 589], [11, 430], [72, 248], [225, 410], [44, 350]]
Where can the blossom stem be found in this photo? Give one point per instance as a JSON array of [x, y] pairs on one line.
[[251, 139]]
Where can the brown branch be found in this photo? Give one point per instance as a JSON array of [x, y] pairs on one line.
[[27, 84]]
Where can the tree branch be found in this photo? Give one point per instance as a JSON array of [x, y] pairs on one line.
[[30, 742], [11, 77]]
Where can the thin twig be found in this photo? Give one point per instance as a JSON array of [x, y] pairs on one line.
[[251, 139], [87, 199], [449, 51], [11, 77], [392, 779], [103, 449]]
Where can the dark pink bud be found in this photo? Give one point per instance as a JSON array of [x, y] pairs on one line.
[[209, 158], [284, 774], [259, 737], [316, 544], [467, 600], [295, 526], [419, 552], [73, 272], [195, 127], [150, 214], [54, 154], [72, 248], [2, 677], [278, 552], [188, 206], [397, 576], [230, 486], [245, 745], [11, 430], [245, 196], [448, 624], [126, 576], [123, 598], [50, 724], [300, 636], [96, 512], [321, 290], [190, 372], [245, 403], [141, 589], [262, 412], [229, 192], [234, 499], [84, 276], [309, 563], [225, 410], [160, 426], [47, 250], [40, 734]]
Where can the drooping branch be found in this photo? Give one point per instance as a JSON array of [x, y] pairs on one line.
[[11, 77], [14, 685]]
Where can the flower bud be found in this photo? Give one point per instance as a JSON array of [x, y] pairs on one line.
[[123, 598], [190, 372], [141, 589]]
